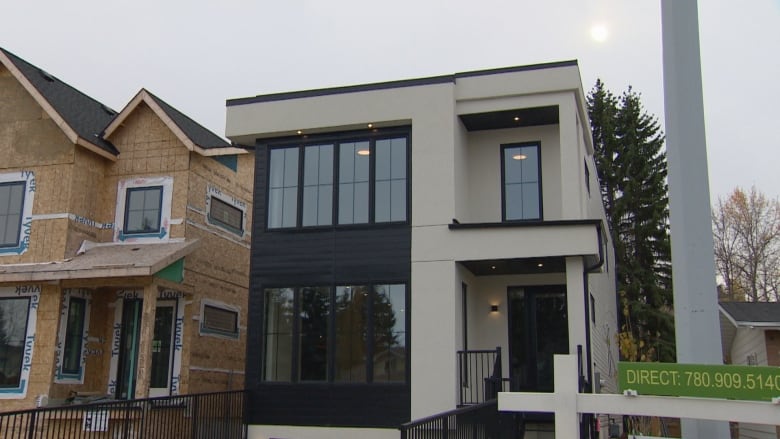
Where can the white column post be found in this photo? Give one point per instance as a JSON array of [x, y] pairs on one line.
[[693, 270]]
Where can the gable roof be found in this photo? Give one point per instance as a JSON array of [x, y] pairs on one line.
[[766, 314], [192, 134], [81, 118]]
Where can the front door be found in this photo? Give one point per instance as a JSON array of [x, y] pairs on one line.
[[162, 348], [538, 329]]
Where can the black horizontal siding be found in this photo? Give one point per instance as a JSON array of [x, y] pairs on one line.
[[308, 404]]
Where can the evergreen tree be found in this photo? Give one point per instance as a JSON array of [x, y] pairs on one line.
[[632, 171]]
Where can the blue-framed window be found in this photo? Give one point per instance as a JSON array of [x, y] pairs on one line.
[[11, 209]]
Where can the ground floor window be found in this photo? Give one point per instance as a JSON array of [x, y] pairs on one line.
[[343, 333], [18, 310], [74, 325]]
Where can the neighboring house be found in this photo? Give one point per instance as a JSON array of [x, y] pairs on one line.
[[124, 246], [399, 223], [750, 332]]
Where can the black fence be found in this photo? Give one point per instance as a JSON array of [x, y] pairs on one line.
[[480, 376], [479, 421], [205, 415]]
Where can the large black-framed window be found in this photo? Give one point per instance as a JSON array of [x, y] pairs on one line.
[[340, 333], [14, 313], [11, 206], [343, 179], [521, 181], [143, 210]]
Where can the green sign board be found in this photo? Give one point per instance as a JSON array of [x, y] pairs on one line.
[[751, 383]]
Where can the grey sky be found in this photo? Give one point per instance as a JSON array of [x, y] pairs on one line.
[[197, 53]]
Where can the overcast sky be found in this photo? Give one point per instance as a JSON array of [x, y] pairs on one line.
[[195, 54]]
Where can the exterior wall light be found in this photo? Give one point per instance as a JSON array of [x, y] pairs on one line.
[[493, 308]]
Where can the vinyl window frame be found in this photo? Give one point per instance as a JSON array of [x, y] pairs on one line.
[[203, 329], [61, 375], [26, 179], [504, 194], [231, 203]]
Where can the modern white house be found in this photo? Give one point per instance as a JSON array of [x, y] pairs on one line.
[[403, 231]]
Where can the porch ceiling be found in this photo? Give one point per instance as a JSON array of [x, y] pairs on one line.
[[516, 118], [102, 260], [494, 267]]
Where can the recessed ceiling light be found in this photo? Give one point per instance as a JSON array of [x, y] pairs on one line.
[[519, 157], [371, 125], [492, 267], [517, 118], [364, 151], [300, 132], [540, 265]]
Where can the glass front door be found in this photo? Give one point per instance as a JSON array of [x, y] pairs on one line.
[[538, 329], [162, 348]]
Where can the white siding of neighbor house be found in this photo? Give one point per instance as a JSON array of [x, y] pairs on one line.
[[750, 341]]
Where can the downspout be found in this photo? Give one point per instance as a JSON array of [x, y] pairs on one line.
[[585, 272]]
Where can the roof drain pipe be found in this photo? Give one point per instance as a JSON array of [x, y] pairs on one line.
[[588, 311]]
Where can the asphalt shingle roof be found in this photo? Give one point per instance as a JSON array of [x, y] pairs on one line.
[[758, 312], [195, 131], [85, 115]]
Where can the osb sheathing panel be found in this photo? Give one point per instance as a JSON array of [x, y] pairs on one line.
[[88, 200], [47, 236], [41, 374], [28, 137], [206, 381], [149, 149]]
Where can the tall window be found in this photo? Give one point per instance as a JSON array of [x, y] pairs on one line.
[[11, 205], [347, 180], [522, 184], [74, 336], [368, 326], [13, 329], [318, 185], [143, 210], [283, 188]]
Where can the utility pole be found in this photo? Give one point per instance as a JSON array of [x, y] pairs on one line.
[[697, 327]]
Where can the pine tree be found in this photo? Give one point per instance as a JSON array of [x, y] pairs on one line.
[[632, 171]]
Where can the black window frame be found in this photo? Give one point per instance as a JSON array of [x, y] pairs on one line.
[[331, 335], [504, 147], [217, 222], [74, 334], [128, 193], [336, 139], [24, 337], [5, 213]]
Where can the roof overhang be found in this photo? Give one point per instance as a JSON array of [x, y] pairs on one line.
[[103, 260]]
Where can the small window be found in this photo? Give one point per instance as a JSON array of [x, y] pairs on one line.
[[142, 210], [225, 215], [592, 309], [11, 206], [587, 176], [522, 183], [219, 320]]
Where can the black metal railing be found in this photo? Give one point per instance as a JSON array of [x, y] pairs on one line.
[[205, 415], [480, 376], [479, 421]]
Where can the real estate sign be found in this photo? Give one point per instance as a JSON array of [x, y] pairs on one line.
[[751, 383]]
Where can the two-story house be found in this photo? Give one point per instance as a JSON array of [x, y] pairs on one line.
[[124, 246], [399, 224]]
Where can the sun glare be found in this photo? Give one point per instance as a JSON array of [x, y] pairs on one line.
[[599, 33]]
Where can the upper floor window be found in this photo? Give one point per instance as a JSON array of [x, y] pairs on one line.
[[11, 204], [344, 180], [143, 210], [521, 182], [16, 196], [226, 215]]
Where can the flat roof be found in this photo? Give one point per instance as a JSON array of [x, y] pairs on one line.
[[393, 84]]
